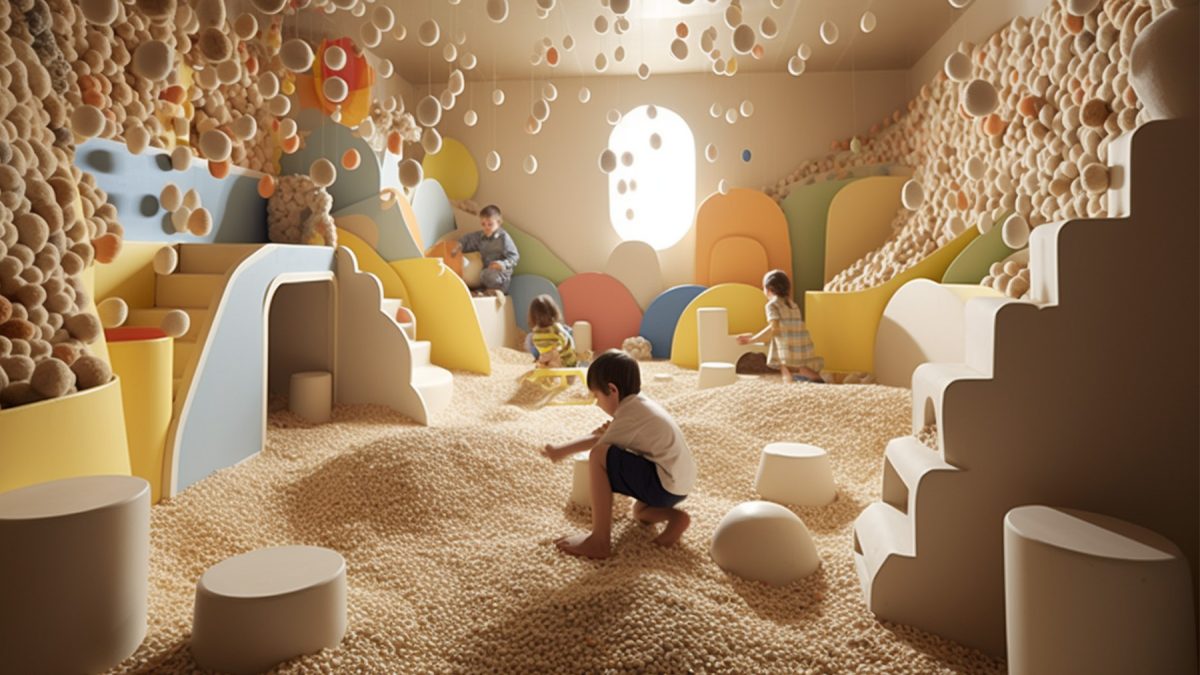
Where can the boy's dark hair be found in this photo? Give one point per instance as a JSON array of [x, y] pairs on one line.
[[777, 282], [615, 367], [490, 211], [543, 312]]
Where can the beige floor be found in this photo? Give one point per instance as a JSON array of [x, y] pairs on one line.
[[447, 532]]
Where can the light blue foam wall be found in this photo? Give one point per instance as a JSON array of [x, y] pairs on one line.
[[133, 183]]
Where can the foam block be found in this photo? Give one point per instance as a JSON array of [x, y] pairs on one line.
[[603, 302], [746, 311], [635, 264], [454, 169], [762, 230], [523, 289], [661, 316]]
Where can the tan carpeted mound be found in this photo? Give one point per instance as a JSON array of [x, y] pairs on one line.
[[447, 533]]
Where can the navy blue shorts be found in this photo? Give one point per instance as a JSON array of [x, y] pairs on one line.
[[636, 476]]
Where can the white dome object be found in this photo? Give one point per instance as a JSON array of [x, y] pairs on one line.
[[322, 172], [912, 195], [386, 68], [470, 118], [1015, 232], [829, 32], [153, 60], [215, 145], [731, 116], [431, 141], [795, 473], [498, 96], [429, 111], [287, 127], [114, 311], [980, 98], [493, 161], [540, 110], [768, 28], [733, 15], [743, 39], [411, 173], [679, 49], [334, 57], [619, 53], [585, 94], [568, 42], [166, 260], [627, 158], [268, 85], [335, 89], [296, 55], [608, 161], [710, 153], [764, 542], [457, 83], [531, 165], [497, 10], [958, 67], [428, 33], [100, 12], [170, 198], [796, 66], [715, 111], [746, 109], [868, 22]]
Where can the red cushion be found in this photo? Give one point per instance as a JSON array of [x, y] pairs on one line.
[[128, 333]]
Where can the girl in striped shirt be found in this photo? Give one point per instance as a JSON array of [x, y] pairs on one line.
[[791, 347]]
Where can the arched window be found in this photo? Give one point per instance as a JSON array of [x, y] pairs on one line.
[[652, 192]]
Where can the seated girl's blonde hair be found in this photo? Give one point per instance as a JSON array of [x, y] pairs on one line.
[[543, 312]]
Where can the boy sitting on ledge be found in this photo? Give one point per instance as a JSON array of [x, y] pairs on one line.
[[496, 249]]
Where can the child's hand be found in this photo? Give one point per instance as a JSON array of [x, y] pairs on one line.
[[548, 451], [599, 431], [744, 339]]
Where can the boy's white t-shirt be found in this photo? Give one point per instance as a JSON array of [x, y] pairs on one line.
[[642, 427]]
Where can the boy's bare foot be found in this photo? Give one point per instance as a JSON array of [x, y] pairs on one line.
[[584, 545], [677, 523]]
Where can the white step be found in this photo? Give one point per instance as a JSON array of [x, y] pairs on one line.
[[929, 382], [436, 386], [421, 350], [212, 258], [881, 531], [187, 291], [153, 316], [905, 461]]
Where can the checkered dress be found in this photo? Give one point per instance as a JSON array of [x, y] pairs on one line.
[[791, 345]]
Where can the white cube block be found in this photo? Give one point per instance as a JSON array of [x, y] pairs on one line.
[[581, 486], [310, 396], [795, 473]]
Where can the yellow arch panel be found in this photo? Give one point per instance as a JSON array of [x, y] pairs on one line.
[[370, 261], [860, 220], [747, 314], [843, 325], [736, 259], [747, 214], [445, 315], [454, 168]]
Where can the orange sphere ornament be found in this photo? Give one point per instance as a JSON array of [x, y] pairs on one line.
[[351, 159], [266, 187]]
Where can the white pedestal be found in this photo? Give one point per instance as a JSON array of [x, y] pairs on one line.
[[581, 486], [1087, 593], [269, 605], [764, 542], [795, 473], [716, 375], [74, 567], [581, 331], [311, 396]]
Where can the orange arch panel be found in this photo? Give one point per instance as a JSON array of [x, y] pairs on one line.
[[743, 214], [605, 303]]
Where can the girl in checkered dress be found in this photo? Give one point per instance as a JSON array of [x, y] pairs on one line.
[[791, 347]]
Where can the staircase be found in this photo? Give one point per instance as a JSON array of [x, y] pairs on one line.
[[1083, 397], [435, 384]]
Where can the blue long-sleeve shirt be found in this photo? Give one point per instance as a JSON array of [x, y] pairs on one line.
[[497, 248]]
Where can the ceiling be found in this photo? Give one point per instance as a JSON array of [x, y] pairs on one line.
[[905, 30]]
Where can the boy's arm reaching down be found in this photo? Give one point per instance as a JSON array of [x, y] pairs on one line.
[[559, 452]]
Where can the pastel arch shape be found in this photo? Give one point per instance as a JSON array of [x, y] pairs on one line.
[[605, 303], [737, 259], [454, 168], [807, 211], [635, 264], [745, 213], [445, 315], [747, 314], [370, 261], [972, 265], [434, 214], [661, 317], [395, 226], [523, 289], [329, 140], [860, 220]]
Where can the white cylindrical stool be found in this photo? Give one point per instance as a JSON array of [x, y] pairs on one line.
[[581, 486], [714, 374], [581, 332], [1088, 593], [269, 605], [311, 395], [764, 542], [795, 473], [74, 568]]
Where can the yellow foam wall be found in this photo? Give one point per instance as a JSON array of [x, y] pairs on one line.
[[370, 261], [131, 276], [445, 315], [145, 371], [747, 314], [860, 220], [843, 325]]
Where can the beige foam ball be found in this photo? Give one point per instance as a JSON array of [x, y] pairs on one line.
[[244, 127], [200, 222], [335, 89], [179, 219], [87, 121], [958, 67], [980, 98], [1015, 232], [100, 12], [181, 158], [170, 198], [136, 139], [113, 312], [322, 172], [912, 195], [215, 145], [52, 378], [176, 323], [431, 141], [411, 173], [1095, 178], [296, 55], [166, 260], [429, 110]]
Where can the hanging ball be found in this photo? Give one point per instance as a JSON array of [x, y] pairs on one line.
[[804, 51], [585, 94], [614, 117], [245, 26], [450, 53], [153, 60], [829, 32], [681, 30], [383, 18], [497, 10], [411, 173], [446, 99], [170, 198], [322, 172], [552, 56], [655, 141], [868, 22], [266, 187], [531, 165], [428, 33], [715, 111], [498, 96], [549, 91], [679, 49], [137, 139], [429, 111], [493, 161], [912, 195], [768, 28], [541, 110], [958, 67], [651, 111], [215, 145], [731, 116], [619, 6], [296, 55], [335, 89], [795, 66], [334, 57], [723, 186], [431, 141], [643, 71], [470, 118], [601, 63], [710, 153], [743, 39], [608, 161], [746, 108], [746, 155], [351, 159]]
